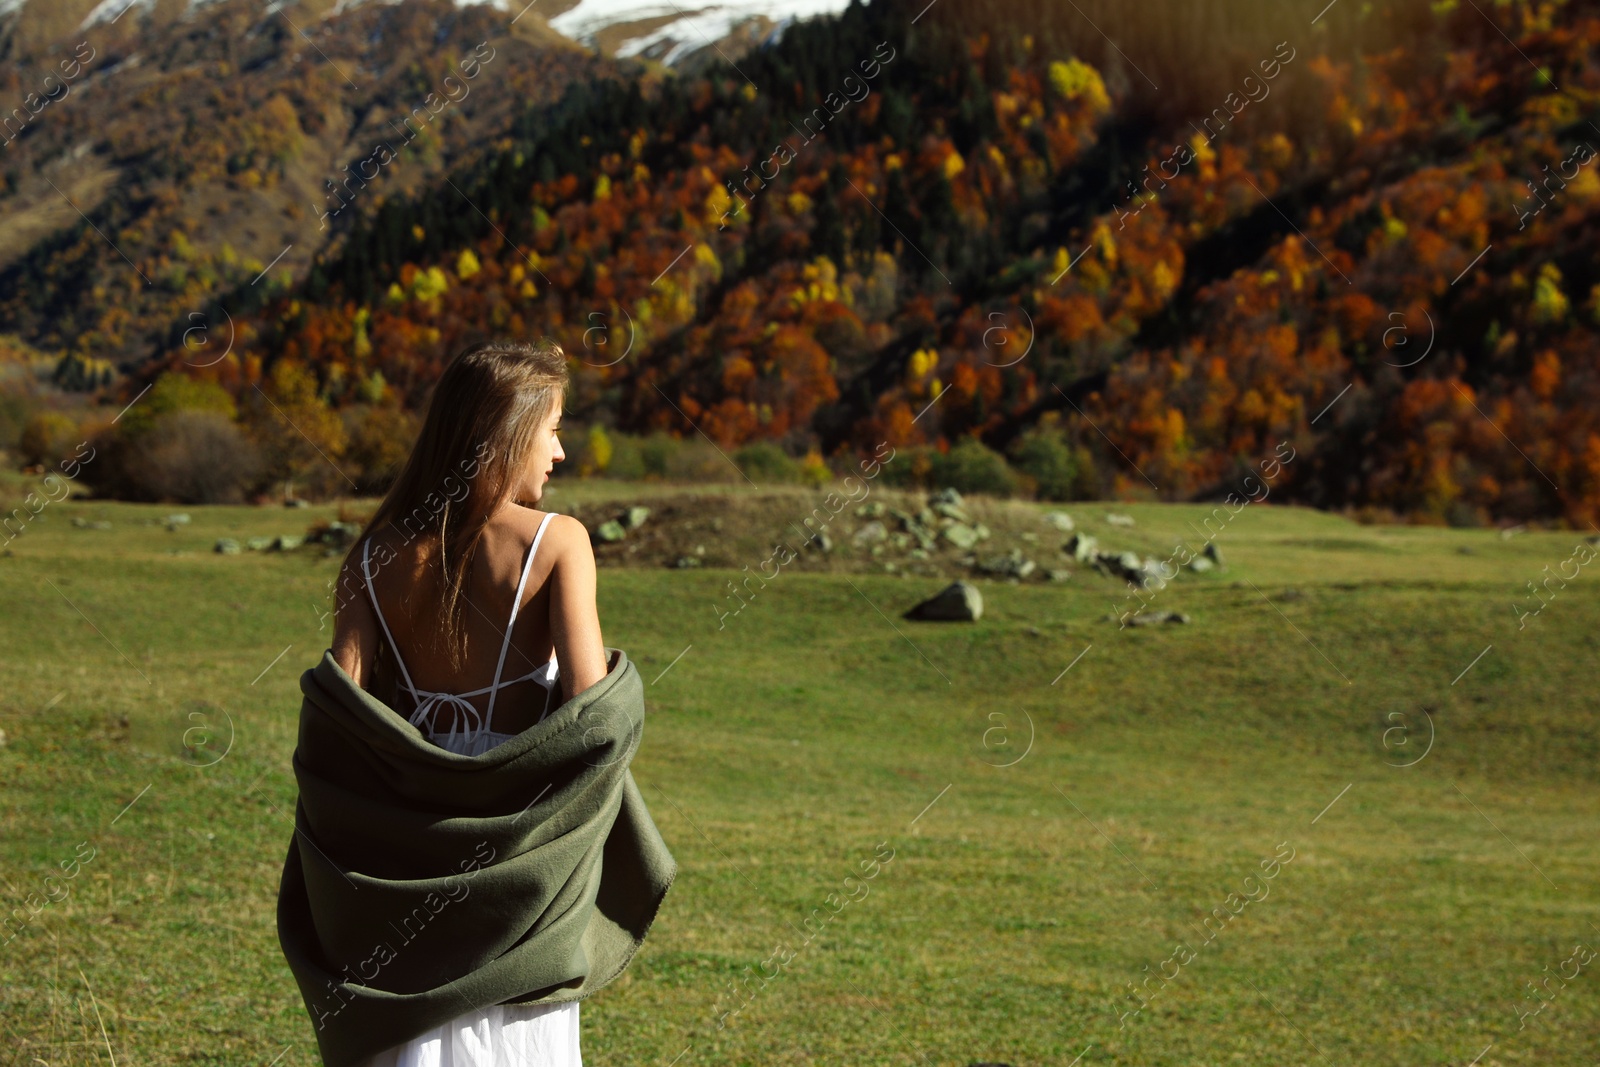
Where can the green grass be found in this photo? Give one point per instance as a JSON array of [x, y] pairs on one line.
[[1165, 765]]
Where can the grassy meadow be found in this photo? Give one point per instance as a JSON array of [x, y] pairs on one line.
[[1066, 801]]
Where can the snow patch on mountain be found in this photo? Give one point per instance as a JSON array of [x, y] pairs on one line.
[[112, 10], [689, 30], [664, 29]]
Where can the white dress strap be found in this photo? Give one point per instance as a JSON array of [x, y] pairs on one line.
[[366, 572], [515, 605]]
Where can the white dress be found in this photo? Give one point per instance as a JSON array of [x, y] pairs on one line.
[[502, 1035]]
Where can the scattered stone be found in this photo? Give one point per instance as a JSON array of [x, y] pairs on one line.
[[946, 495], [1060, 520], [1125, 565], [685, 562], [872, 532], [1158, 572], [1150, 618], [874, 510], [1119, 520], [179, 519], [900, 541], [1011, 565], [610, 532], [287, 542], [982, 531], [85, 524], [956, 602], [1058, 574], [950, 511], [1029, 536], [924, 536], [1081, 547], [926, 517], [634, 517], [1511, 531], [259, 544], [297, 503], [961, 535], [917, 553], [339, 534], [227, 546]]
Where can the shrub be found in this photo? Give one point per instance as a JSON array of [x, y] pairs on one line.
[[175, 391], [698, 460], [627, 458], [47, 437], [814, 471], [910, 467], [1058, 471], [597, 451], [14, 414], [198, 457], [188, 457], [654, 453], [972, 467], [764, 461]]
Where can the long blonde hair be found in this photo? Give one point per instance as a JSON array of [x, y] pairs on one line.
[[483, 417]]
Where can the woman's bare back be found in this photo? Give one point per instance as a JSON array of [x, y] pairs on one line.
[[557, 616]]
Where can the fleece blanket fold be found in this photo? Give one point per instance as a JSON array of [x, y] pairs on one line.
[[421, 884]]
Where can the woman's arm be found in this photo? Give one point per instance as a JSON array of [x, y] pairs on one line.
[[355, 628], [574, 618]]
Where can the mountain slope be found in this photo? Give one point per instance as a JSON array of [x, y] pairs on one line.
[[184, 158], [1163, 258]]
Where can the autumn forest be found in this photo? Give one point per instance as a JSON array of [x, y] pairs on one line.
[[1113, 252]]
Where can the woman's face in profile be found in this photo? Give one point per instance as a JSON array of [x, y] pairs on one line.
[[546, 453]]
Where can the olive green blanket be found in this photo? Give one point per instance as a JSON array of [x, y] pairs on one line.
[[421, 884]]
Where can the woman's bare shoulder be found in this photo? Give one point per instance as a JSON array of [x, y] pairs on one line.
[[518, 525]]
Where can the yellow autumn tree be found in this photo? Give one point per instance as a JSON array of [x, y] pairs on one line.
[[301, 437], [1077, 80]]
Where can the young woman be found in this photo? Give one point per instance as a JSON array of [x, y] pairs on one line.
[[470, 611]]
